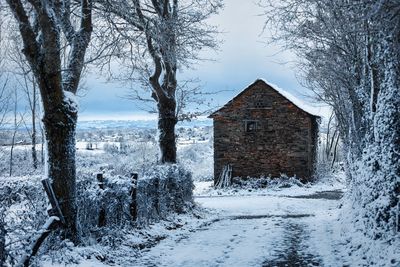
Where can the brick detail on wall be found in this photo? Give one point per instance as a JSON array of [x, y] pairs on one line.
[[283, 142]]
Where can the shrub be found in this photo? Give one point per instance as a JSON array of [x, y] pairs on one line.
[[162, 190]]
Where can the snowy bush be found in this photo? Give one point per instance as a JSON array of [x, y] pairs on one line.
[[162, 190], [111, 148], [266, 182], [24, 204], [114, 200], [198, 158], [22, 162]]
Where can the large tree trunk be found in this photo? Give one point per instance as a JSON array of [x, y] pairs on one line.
[[60, 126], [42, 25], [166, 127]]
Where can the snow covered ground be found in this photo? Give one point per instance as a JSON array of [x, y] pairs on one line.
[[293, 226], [285, 227]]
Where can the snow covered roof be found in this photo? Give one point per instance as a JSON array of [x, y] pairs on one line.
[[296, 101]]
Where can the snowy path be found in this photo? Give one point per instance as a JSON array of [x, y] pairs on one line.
[[255, 231]]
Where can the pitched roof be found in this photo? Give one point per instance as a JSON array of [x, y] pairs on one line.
[[294, 100]]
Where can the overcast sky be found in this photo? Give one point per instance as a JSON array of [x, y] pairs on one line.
[[243, 57]]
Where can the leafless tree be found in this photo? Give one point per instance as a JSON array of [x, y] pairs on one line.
[[17, 121], [156, 38], [26, 82], [4, 77], [4, 98], [349, 53], [42, 24]]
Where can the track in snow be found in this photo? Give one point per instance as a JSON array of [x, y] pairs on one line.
[[251, 231]]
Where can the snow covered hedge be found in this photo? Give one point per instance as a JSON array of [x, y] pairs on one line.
[[23, 211], [164, 189]]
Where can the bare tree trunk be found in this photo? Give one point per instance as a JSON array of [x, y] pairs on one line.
[[42, 139], [335, 150], [33, 138], [12, 153], [14, 132], [60, 127], [58, 85], [166, 126]]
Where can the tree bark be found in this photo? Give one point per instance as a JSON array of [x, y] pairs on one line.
[[42, 25], [166, 127], [60, 127], [3, 233], [33, 113]]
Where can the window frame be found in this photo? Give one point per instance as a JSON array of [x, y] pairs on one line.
[[248, 126]]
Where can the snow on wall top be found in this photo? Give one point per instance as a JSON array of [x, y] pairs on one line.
[[296, 101]]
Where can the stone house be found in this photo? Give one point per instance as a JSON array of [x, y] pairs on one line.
[[263, 132]]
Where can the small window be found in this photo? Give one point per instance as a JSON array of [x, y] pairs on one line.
[[250, 126], [263, 103], [259, 104]]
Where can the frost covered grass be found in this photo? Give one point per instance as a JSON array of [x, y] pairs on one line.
[[198, 158], [270, 186]]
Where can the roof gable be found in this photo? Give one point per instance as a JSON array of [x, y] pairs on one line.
[[295, 101]]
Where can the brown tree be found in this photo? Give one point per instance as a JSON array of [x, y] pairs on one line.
[[42, 24], [155, 39]]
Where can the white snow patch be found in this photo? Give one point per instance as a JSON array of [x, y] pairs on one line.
[[71, 100]]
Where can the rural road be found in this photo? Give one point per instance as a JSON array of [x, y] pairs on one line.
[[255, 231]]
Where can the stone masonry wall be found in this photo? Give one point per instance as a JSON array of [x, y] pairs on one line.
[[283, 141]]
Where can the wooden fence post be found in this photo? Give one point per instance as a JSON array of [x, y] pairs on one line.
[[52, 223], [133, 207], [55, 206], [102, 212], [157, 196]]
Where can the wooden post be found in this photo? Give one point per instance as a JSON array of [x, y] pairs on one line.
[[55, 207], [133, 208], [225, 178], [157, 196], [102, 212], [52, 223]]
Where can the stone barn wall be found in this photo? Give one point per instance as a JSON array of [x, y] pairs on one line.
[[262, 133]]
